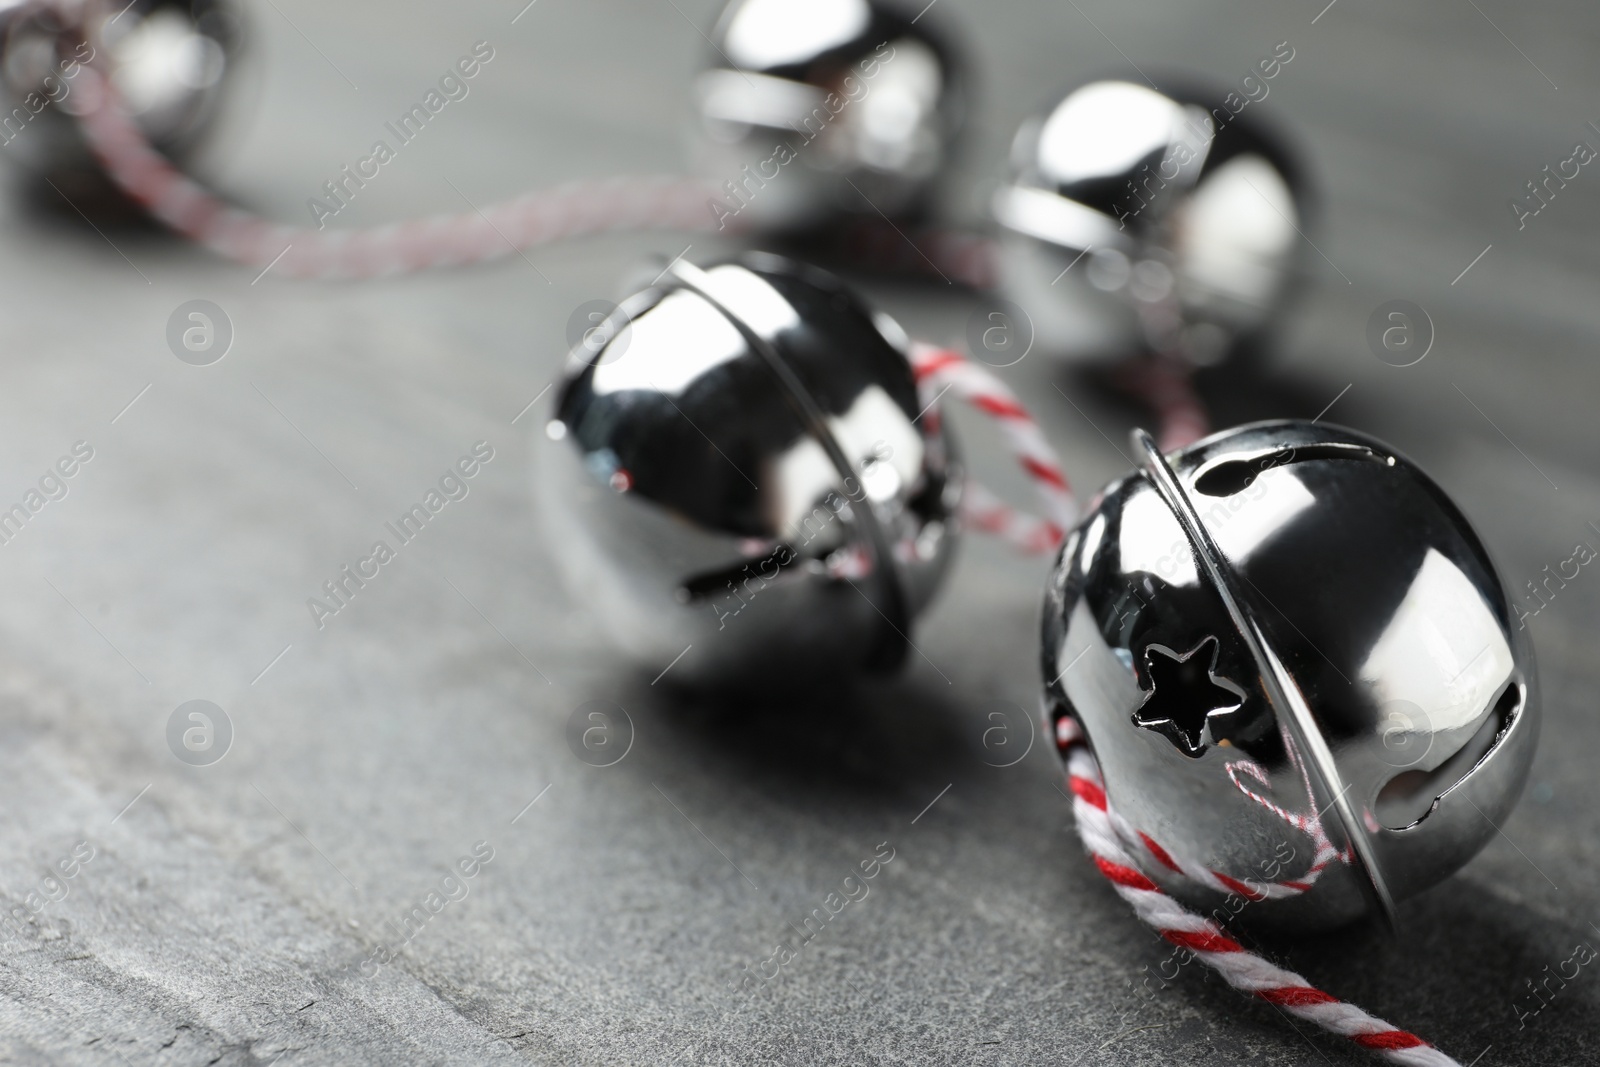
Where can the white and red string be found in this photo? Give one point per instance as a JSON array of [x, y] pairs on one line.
[[1098, 825], [577, 209], [1109, 839], [495, 231], [1178, 410], [940, 370]]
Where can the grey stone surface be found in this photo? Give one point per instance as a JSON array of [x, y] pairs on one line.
[[226, 913]]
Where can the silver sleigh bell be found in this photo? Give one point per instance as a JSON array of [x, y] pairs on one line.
[[1143, 219], [820, 110], [169, 59], [739, 473], [1296, 664]]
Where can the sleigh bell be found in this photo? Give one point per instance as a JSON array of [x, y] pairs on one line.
[[1299, 671], [1144, 219], [818, 111], [170, 62], [739, 473]]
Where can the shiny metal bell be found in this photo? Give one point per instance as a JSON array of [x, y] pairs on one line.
[[170, 60], [1295, 664], [1138, 218], [738, 466], [820, 110]]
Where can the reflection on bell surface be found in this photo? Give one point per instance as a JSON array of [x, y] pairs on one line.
[[1296, 663], [738, 465], [1139, 218], [170, 61], [818, 110]]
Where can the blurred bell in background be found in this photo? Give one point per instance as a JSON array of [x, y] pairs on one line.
[[1139, 219], [818, 114], [172, 62], [739, 463]]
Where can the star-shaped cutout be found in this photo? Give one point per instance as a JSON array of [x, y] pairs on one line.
[[1185, 693]]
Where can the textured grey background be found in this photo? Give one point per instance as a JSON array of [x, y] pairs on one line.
[[226, 912]]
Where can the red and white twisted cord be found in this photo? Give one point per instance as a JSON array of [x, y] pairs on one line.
[[940, 370], [496, 231], [1244, 970], [1107, 836], [1180, 417]]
